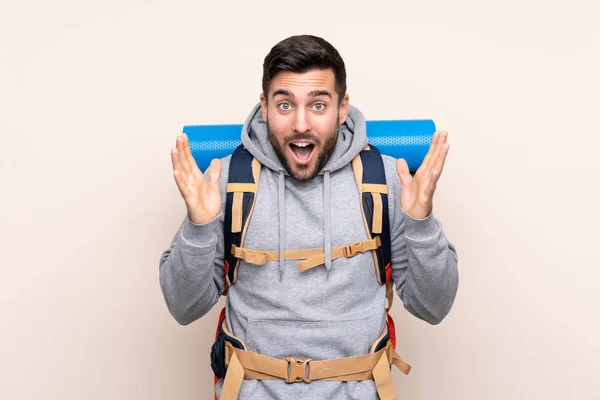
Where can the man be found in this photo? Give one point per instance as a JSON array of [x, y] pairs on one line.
[[305, 134]]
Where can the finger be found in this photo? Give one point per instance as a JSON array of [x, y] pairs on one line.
[[432, 184], [192, 161], [177, 165], [175, 159], [181, 183], [183, 161], [437, 149], [177, 170], [439, 165], [403, 172], [436, 170], [429, 154], [214, 172]]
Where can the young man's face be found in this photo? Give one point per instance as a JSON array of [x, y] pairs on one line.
[[303, 118]]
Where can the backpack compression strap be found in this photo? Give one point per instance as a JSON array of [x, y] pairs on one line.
[[244, 174]]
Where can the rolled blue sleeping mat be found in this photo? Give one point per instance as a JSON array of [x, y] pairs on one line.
[[408, 139]]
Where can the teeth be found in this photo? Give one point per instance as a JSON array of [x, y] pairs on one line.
[[300, 144]]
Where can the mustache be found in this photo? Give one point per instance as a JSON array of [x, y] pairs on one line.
[[301, 136]]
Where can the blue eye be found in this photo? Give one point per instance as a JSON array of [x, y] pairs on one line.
[[319, 106], [284, 106]]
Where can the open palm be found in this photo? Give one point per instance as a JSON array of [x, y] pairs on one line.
[[202, 198], [416, 195]]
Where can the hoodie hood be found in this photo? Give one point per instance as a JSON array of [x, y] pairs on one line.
[[352, 139]]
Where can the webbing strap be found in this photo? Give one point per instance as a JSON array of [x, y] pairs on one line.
[[311, 257], [238, 190], [236, 212], [242, 187], [377, 213], [374, 188], [340, 251], [398, 361], [244, 364], [383, 379], [233, 379], [389, 294]]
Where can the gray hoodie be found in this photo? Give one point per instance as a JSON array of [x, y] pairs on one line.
[[334, 310]]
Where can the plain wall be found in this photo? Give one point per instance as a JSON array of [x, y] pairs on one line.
[[93, 94]]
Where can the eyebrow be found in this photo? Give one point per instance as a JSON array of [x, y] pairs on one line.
[[314, 93]]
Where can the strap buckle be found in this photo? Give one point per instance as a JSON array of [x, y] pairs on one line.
[[353, 249], [298, 370]]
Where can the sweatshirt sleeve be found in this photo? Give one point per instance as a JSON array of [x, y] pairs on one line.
[[424, 262], [191, 269]]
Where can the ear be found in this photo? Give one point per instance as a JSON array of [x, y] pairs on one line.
[[263, 106], [344, 108]]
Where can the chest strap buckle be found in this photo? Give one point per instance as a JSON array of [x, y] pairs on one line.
[[353, 249]]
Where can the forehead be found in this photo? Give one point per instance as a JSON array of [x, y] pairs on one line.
[[300, 84]]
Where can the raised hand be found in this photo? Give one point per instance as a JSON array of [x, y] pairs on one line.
[[202, 197], [416, 196]]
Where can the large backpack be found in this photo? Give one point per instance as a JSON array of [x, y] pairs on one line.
[[242, 188]]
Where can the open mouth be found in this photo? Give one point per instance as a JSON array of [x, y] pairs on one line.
[[302, 151]]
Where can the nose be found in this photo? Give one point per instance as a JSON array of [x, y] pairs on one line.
[[301, 123]]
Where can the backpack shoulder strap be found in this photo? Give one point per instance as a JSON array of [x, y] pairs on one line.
[[369, 173], [370, 178], [242, 186]]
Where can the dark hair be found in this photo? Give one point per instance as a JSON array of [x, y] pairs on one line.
[[300, 54]]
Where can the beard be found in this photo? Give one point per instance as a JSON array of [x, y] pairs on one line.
[[324, 149]]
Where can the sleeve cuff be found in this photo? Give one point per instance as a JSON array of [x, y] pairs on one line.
[[199, 235], [420, 228]]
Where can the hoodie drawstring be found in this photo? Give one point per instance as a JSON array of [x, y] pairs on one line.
[[327, 219], [281, 224]]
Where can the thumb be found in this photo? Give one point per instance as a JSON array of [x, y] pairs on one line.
[[214, 173], [403, 172]]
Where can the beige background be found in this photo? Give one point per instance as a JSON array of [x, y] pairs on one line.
[[92, 95]]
